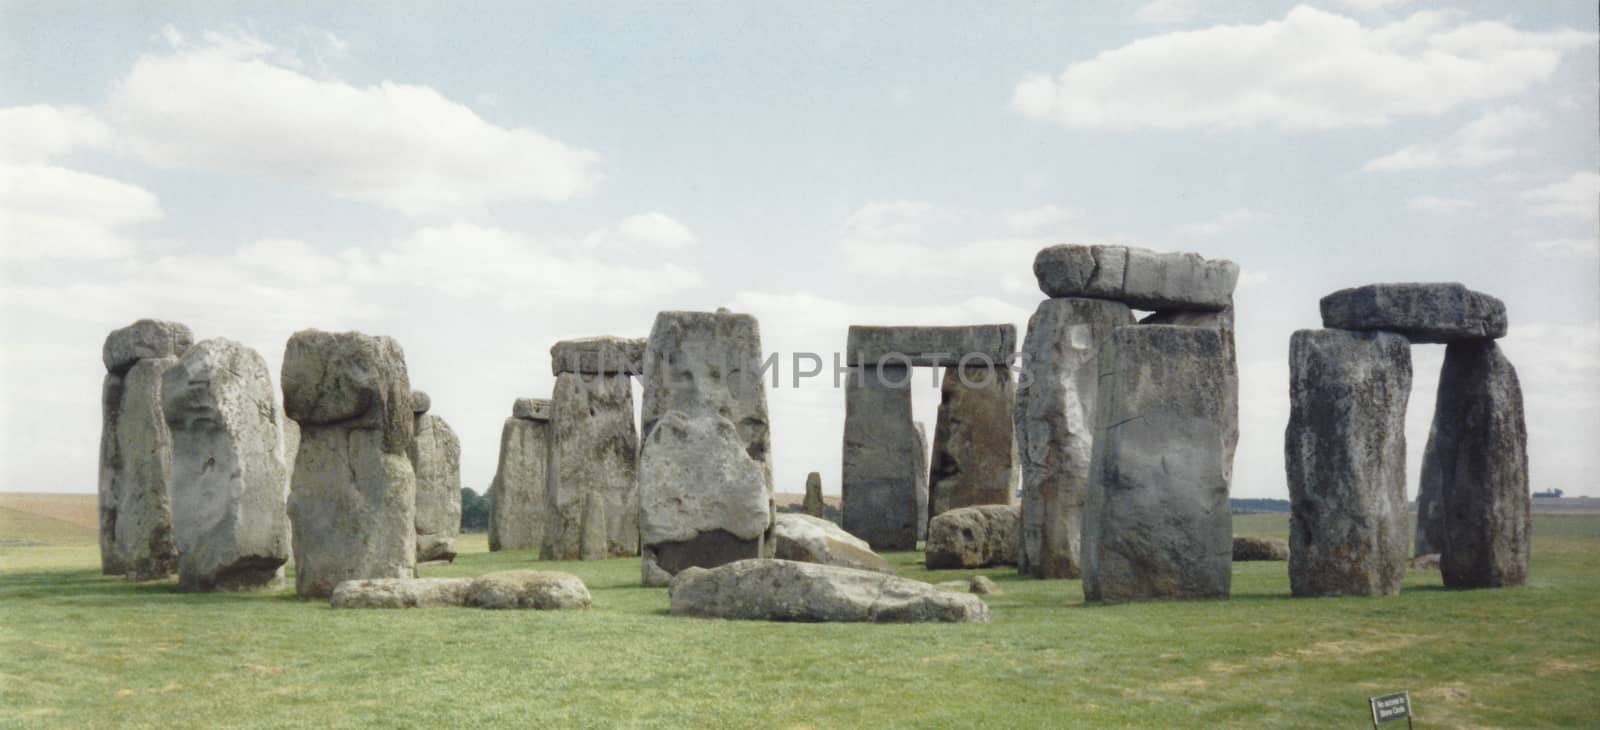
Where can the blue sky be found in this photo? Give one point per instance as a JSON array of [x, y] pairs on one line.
[[482, 181]]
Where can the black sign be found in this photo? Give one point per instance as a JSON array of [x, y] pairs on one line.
[[1391, 707]]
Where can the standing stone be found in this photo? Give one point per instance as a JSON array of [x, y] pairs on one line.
[[229, 479], [1055, 413], [135, 451], [435, 455], [595, 450], [881, 458], [1429, 538], [919, 478], [974, 444], [520, 487], [1478, 453], [705, 363], [1222, 321], [703, 500], [1345, 454], [813, 504], [352, 503], [598, 356], [1157, 522]]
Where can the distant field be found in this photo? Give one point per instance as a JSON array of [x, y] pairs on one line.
[[81, 650]]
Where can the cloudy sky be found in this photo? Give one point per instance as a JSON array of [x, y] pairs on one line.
[[482, 181]]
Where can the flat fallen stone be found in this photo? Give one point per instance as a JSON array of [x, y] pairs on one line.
[[1424, 313], [784, 590], [986, 344], [1250, 548], [143, 340], [542, 590], [1137, 277], [533, 409], [598, 356], [808, 539], [401, 593], [974, 537]]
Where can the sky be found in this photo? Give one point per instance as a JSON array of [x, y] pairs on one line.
[[481, 180]]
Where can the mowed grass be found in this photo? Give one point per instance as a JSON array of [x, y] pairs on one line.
[[79, 649]]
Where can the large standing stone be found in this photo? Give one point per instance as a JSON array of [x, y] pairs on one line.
[[595, 450], [1157, 522], [229, 479], [352, 502], [435, 455], [709, 363], [919, 478], [784, 590], [974, 537], [815, 540], [974, 444], [1138, 277], [520, 489], [136, 538], [881, 458], [1222, 322], [813, 504], [1432, 313], [1345, 454], [703, 500], [598, 356], [1478, 455], [1054, 413]]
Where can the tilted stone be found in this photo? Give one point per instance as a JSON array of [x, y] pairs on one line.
[[533, 409], [709, 363], [136, 538], [813, 504], [1054, 416], [1345, 454], [143, 340], [1137, 277], [882, 458], [229, 478], [521, 485], [984, 344], [703, 500], [598, 356], [1156, 517], [1478, 455], [974, 443], [1424, 313], [352, 500], [810, 539], [784, 590], [420, 402], [435, 455], [595, 450], [974, 537]]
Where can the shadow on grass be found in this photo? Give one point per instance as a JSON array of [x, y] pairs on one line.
[[57, 585]]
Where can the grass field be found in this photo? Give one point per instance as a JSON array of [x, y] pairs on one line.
[[79, 649]]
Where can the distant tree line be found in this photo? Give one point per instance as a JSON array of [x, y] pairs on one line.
[[1246, 506], [474, 511], [1549, 494]]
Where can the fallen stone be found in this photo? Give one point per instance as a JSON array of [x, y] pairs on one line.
[[1137, 277], [229, 480], [146, 339], [1426, 562], [598, 356], [1424, 313], [1157, 522], [977, 345], [1345, 456], [984, 586], [401, 593], [813, 504], [533, 409], [136, 534], [1478, 453], [518, 492], [435, 455], [420, 402], [595, 451], [1054, 423], [703, 500], [974, 537], [808, 539], [704, 364], [540, 590], [1248, 548], [784, 590], [882, 458], [974, 445]]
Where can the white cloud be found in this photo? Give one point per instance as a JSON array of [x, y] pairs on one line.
[[49, 212], [1438, 204], [1045, 219], [1311, 70], [1577, 248], [1483, 142], [1576, 197], [1224, 222], [656, 229], [1165, 11], [40, 132], [240, 105], [1372, 5]]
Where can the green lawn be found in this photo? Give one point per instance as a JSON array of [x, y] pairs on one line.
[[79, 649]]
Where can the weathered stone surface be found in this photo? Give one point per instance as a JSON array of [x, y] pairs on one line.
[[810, 539], [1222, 322], [595, 544], [542, 590], [703, 500], [983, 585], [1250, 548], [1157, 522], [1054, 421], [1478, 453], [229, 479], [1429, 561], [1345, 454], [784, 590], [919, 478], [882, 459], [435, 455], [352, 500], [598, 356], [1138, 277], [814, 505], [533, 409], [1429, 536], [136, 537], [420, 402], [520, 488], [401, 593], [146, 339], [595, 450], [1436, 313], [979, 345], [709, 363], [974, 537], [974, 444]]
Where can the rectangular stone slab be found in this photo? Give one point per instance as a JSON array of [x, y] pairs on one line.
[[1137, 277], [1424, 313], [881, 459], [931, 346], [595, 454], [598, 356], [521, 483], [974, 444]]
